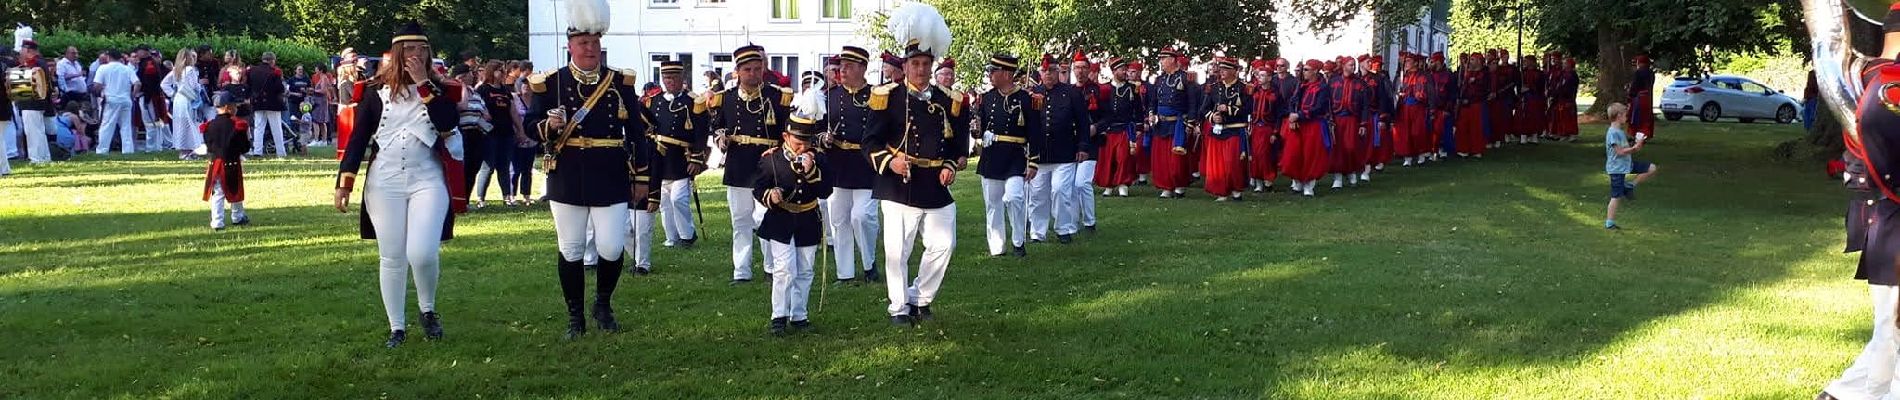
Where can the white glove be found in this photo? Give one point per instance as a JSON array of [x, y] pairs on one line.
[[454, 145], [989, 138]]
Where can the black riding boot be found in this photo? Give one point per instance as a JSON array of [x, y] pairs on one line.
[[573, 287], [607, 276]]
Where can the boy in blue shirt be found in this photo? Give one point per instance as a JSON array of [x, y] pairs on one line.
[[1619, 165]]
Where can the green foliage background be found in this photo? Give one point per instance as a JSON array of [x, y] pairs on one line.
[[495, 28]]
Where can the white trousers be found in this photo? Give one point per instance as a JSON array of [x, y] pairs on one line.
[[9, 145], [406, 209], [853, 219], [1062, 187], [607, 236], [116, 119], [155, 139], [640, 241], [1871, 376], [938, 228], [1042, 201], [272, 121], [217, 207], [1085, 192], [6, 146], [676, 210], [185, 136], [746, 214], [791, 270], [35, 123], [1003, 212]]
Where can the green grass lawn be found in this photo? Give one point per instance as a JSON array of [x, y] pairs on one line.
[[1467, 279]]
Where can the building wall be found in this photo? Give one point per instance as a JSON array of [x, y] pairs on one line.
[[1431, 33], [704, 33]]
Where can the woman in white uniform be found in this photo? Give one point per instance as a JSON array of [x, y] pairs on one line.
[[405, 120]]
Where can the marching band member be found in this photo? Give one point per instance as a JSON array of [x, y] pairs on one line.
[[790, 182], [1563, 103], [1414, 109], [1642, 108], [680, 151], [916, 149], [1094, 93], [852, 213], [1261, 134], [1065, 140], [1303, 157], [1229, 105], [744, 121], [1378, 116], [1473, 93], [1348, 126], [1533, 108], [1119, 124], [1171, 109], [1011, 123]]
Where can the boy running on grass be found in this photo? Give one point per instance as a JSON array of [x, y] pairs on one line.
[[1617, 149]]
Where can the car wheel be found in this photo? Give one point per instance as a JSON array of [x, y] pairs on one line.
[[1672, 117], [1785, 115], [1711, 112]]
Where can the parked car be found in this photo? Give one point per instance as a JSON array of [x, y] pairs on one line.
[[1726, 96]]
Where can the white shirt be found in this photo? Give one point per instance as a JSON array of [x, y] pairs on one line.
[[71, 77], [118, 79], [183, 85]]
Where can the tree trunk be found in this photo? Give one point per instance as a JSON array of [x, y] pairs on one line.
[[1613, 67]]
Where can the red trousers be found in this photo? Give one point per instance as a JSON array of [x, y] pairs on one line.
[[345, 122], [1221, 165], [1197, 145], [1501, 121], [1411, 137], [1532, 117], [1469, 133], [1141, 160], [1644, 117], [1303, 153], [1563, 119], [1114, 166], [1261, 163], [1168, 170], [1348, 153], [1382, 151]]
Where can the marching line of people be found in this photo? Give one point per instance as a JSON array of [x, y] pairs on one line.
[[857, 167]]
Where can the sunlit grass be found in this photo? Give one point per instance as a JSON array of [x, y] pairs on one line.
[[1466, 279]]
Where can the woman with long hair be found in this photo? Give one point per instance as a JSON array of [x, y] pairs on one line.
[[497, 93], [526, 151], [407, 117], [322, 89], [181, 85]]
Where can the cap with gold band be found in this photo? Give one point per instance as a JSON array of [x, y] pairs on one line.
[[1003, 62], [409, 32], [748, 53], [855, 54], [1117, 63], [672, 67]]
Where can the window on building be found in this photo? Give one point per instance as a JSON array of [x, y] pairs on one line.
[[784, 9], [666, 3], [837, 9], [787, 65], [715, 3], [657, 58]]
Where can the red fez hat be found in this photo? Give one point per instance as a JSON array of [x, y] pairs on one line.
[[947, 63], [1137, 65], [1332, 65], [1259, 63], [1438, 56], [1079, 57], [1048, 60], [1642, 58], [1571, 61], [892, 59], [1314, 64], [1378, 60]]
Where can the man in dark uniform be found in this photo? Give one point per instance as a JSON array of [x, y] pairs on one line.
[[596, 137], [679, 142], [1172, 99], [1120, 124], [1873, 216], [853, 214], [1065, 139], [1011, 123], [1443, 90], [915, 146], [1228, 107], [746, 120]]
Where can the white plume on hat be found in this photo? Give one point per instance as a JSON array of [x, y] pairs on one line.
[[21, 34], [810, 104], [916, 21], [588, 16]]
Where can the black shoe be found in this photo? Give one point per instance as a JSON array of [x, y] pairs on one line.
[[844, 282], [395, 338], [902, 321], [803, 325], [575, 330], [642, 270], [871, 274], [1035, 240], [1089, 228], [1020, 252], [1065, 239], [687, 243], [922, 312], [604, 317], [778, 326], [1825, 396], [737, 282], [1613, 227], [247, 220], [432, 325]]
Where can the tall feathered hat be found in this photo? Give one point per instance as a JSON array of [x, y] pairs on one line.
[[808, 109], [920, 29], [22, 35], [588, 17]]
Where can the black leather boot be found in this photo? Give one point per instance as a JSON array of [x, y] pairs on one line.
[[607, 277], [573, 281]]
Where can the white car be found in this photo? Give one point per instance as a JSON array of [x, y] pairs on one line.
[[1726, 96]]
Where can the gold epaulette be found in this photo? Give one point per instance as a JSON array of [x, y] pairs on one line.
[[956, 101], [881, 96], [627, 77], [1036, 102], [715, 98], [784, 96], [538, 82]]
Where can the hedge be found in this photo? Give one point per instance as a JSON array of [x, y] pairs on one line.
[[53, 42]]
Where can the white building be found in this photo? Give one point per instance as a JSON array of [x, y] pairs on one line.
[[1431, 33], [797, 34]]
